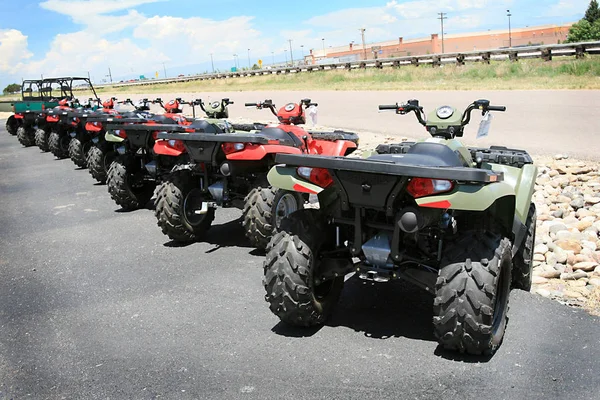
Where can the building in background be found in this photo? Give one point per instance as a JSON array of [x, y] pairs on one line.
[[457, 43]]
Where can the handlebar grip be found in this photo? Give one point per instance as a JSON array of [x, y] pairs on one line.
[[230, 102], [313, 104], [251, 104], [388, 106], [496, 108]]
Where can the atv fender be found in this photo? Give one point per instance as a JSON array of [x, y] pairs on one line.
[[161, 147], [469, 197], [109, 137], [254, 152], [523, 180], [283, 177], [332, 148]]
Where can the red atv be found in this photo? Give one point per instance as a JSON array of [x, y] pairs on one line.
[[60, 123], [230, 169], [132, 175]]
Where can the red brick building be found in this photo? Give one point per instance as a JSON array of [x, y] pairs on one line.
[[547, 34]]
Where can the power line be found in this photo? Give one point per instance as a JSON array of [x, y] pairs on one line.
[[442, 17]]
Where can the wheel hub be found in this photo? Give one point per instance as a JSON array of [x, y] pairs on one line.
[[286, 205]]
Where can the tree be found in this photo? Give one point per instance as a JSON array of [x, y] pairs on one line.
[[588, 28], [584, 31], [12, 88], [593, 12]]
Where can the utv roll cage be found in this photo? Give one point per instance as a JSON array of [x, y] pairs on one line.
[[54, 88]]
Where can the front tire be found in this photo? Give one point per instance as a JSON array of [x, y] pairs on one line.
[[26, 136], [264, 209], [292, 269], [176, 201], [41, 140], [58, 145], [127, 189], [523, 261], [78, 152], [472, 291]]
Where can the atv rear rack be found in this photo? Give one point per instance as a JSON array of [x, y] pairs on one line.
[[255, 138], [464, 174]]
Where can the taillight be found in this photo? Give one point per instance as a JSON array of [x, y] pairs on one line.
[[229, 148], [176, 144], [319, 176], [421, 187]]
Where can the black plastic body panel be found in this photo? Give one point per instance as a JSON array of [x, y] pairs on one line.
[[464, 174], [367, 189]]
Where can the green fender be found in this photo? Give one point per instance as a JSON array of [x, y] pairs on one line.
[[469, 197], [286, 178], [523, 180], [109, 137]]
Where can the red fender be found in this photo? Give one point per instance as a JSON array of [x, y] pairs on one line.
[[329, 148], [93, 126], [255, 152], [52, 118], [163, 148], [19, 116]]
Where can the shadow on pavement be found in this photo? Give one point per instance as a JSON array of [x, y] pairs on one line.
[[229, 234]]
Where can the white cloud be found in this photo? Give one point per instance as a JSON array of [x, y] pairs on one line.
[[80, 10], [13, 50], [567, 8]]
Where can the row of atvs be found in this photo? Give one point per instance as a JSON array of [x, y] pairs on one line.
[[453, 220]]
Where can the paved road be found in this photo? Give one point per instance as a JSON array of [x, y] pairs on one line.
[[542, 122], [97, 303]]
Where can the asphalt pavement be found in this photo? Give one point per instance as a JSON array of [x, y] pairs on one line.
[[97, 303]]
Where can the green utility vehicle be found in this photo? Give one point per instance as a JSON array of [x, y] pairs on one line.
[[455, 221], [38, 96]]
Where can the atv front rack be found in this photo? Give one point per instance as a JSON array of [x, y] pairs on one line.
[[464, 174]]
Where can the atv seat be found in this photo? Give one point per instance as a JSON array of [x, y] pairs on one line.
[[161, 119], [280, 134], [424, 154]]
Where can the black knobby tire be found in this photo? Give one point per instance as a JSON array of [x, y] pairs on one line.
[[170, 209], [98, 161], [26, 136], [261, 209], [522, 272], [12, 124], [472, 290], [56, 144], [41, 140], [124, 189], [290, 268], [78, 152]]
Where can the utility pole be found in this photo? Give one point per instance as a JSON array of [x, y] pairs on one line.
[[508, 14], [110, 74], [273, 57], [362, 33], [249, 59], [291, 54], [442, 17], [323, 41], [302, 47], [212, 62], [165, 70]]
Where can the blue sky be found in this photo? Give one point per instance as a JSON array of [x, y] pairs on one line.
[[133, 37]]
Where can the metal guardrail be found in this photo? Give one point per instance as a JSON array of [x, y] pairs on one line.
[[545, 52]]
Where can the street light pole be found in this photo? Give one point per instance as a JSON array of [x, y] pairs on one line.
[[249, 59], [291, 53], [212, 62], [235, 60], [362, 33], [164, 69], [273, 57], [302, 47], [323, 41], [508, 14]]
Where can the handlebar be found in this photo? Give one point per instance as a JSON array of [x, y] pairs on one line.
[[496, 108], [388, 106]]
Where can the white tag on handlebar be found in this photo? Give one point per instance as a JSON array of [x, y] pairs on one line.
[[484, 125]]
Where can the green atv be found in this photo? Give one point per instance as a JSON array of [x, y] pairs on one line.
[[455, 221]]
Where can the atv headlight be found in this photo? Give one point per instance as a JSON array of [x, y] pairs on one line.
[[444, 112]]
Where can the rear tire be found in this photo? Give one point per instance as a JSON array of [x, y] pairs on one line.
[[41, 140], [58, 145], [170, 209], [523, 262], [263, 210], [12, 124], [123, 188], [26, 136], [291, 264], [98, 162], [472, 291], [78, 152]]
